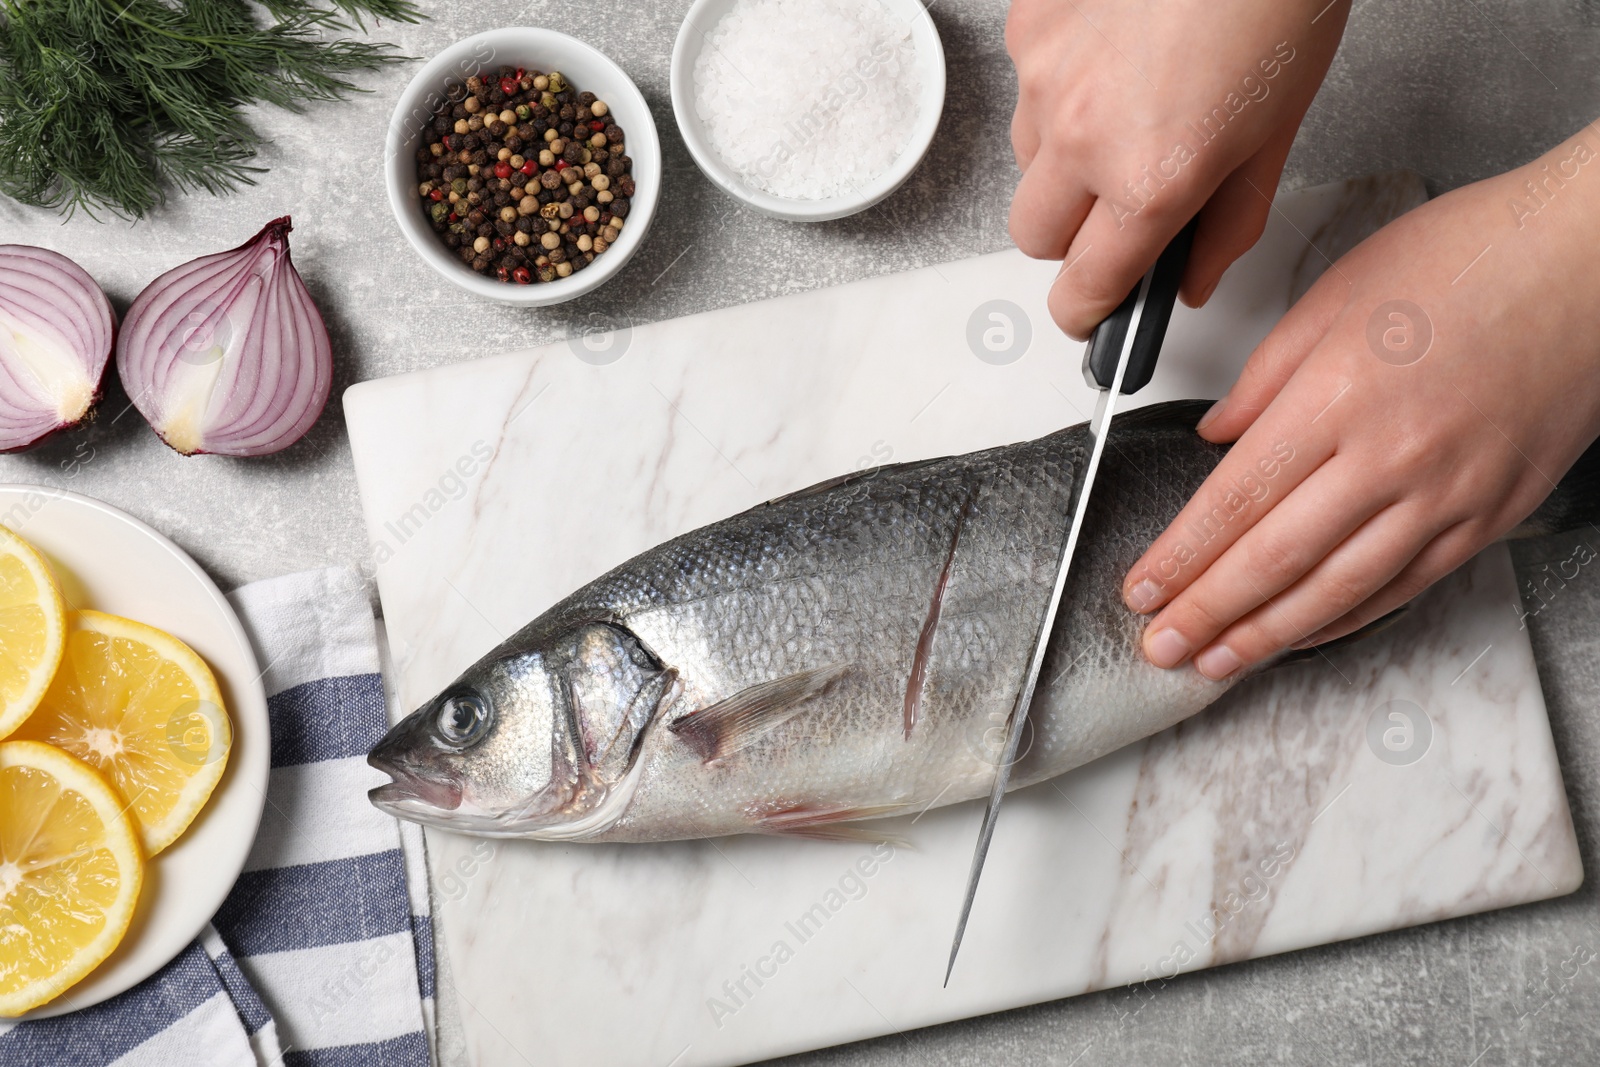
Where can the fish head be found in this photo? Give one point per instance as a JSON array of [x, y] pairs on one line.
[[538, 739]]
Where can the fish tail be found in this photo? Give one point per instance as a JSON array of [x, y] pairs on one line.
[[1573, 505]]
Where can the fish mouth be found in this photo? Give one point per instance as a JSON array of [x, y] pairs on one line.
[[401, 801], [447, 806], [410, 793], [431, 801], [421, 792]]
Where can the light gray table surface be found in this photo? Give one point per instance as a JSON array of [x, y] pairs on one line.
[[1454, 89]]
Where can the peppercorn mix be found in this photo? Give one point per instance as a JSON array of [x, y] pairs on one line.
[[526, 179]]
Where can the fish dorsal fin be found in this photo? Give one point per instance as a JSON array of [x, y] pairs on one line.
[[840, 480], [1181, 415], [719, 730]]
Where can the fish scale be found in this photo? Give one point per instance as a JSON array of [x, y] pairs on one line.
[[844, 576], [781, 643]]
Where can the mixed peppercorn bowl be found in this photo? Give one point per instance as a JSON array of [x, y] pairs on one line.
[[454, 218]]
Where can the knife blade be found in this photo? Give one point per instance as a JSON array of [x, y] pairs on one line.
[[1120, 359]]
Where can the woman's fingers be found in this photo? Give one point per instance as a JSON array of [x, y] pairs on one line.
[[1262, 469], [1232, 220], [1024, 135], [1128, 230], [1276, 553], [1276, 359], [1367, 561], [1142, 119], [1439, 452], [1112, 250], [1275, 453], [1442, 555], [1049, 206]]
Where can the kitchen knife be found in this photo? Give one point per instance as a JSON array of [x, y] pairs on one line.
[[1120, 359]]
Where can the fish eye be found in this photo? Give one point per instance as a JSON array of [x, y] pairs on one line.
[[463, 718]]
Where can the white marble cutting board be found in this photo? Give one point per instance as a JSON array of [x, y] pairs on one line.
[[1407, 780]]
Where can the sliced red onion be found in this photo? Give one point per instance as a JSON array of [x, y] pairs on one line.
[[56, 331], [227, 354]]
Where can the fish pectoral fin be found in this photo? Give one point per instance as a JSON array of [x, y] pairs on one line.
[[829, 823], [721, 729]]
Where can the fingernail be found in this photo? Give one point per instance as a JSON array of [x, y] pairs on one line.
[[1211, 414], [1166, 648], [1217, 662], [1143, 596]]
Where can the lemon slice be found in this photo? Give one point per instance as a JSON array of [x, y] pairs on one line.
[[140, 707], [33, 629], [70, 871]]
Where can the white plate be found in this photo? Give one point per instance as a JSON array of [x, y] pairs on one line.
[[112, 562]]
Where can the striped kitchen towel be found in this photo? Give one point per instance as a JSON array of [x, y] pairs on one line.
[[319, 957], [197, 1009]]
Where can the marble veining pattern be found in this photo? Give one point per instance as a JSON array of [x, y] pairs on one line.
[[1279, 819]]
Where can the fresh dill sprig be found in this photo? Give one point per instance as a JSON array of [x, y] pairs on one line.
[[105, 104]]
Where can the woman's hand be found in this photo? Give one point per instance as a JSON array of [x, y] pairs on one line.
[[1418, 403], [1135, 115]]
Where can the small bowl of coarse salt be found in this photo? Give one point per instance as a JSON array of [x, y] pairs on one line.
[[808, 110]]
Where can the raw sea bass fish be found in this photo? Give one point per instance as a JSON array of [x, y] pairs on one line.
[[846, 652]]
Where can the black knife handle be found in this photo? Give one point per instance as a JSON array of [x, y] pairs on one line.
[[1105, 346]]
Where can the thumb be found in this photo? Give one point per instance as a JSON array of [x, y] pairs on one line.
[[1276, 358]]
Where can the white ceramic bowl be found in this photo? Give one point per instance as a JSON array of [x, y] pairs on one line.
[[702, 19], [589, 71], [110, 561]]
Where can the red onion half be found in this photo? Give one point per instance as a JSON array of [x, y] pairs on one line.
[[56, 331], [227, 354]]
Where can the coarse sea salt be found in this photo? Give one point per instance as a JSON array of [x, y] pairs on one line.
[[808, 99]]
